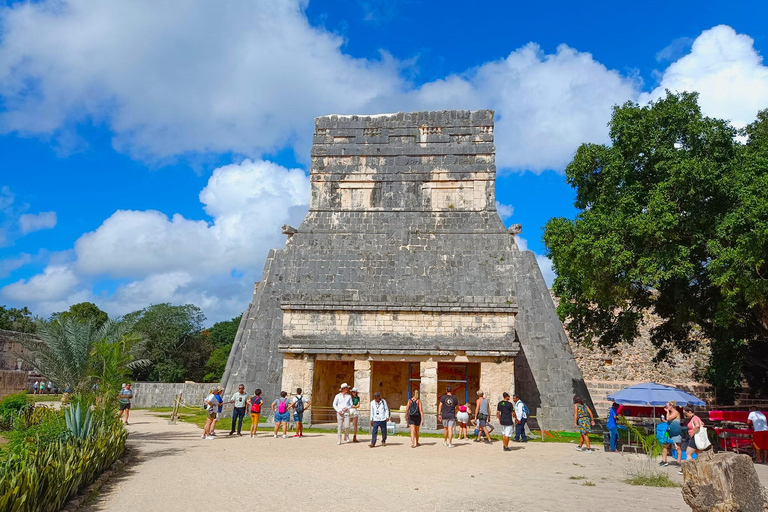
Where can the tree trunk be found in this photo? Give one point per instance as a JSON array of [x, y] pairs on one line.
[[725, 482]]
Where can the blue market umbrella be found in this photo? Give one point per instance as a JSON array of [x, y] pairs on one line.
[[651, 394]]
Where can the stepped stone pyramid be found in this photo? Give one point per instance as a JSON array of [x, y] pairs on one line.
[[403, 277]]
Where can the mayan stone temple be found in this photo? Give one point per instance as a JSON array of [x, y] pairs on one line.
[[403, 277]]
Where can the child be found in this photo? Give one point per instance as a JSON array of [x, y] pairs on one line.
[[462, 418]]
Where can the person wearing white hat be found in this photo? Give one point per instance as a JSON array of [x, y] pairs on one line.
[[354, 413], [343, 404]]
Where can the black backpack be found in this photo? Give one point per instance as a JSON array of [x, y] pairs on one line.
[[299, 407], [413, 409]]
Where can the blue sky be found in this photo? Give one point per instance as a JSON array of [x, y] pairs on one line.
[[150, 151]]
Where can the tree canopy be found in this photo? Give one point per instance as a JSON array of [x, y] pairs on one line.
[[674, 219], [16, 319], [222, 336], [84, 311], [173, 342]]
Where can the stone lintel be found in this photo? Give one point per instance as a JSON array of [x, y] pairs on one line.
[[439, 307], [347, 350]]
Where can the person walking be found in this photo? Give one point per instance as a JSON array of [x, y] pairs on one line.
[[584, 421], [34, 387], [50, 387], [694, 425], [521, 414], [239, 400], [255, 403], [126, 395], [342, 403], [379, 418], [280, 407], [613, 427], [210, 414], [446, 414], [415, 417], [505, 413], [757, 422], [482, 414], [299, 405], [219, 408], [674, 430], [354, 413]]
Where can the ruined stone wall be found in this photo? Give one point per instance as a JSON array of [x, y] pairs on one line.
[[12, 381], [635, 361], [10, 348]]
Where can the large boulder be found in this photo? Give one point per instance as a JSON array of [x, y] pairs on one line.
[[725, 482]]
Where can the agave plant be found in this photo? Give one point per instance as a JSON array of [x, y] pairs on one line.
[[77, 426]]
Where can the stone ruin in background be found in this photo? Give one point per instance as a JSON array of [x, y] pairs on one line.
[[403, 277]]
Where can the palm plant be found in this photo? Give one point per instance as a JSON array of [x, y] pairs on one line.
[[113, 358], [76, 353]]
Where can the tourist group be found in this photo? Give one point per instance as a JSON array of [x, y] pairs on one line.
[[511, 413]]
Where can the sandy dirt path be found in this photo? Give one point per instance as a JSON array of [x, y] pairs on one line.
[[177, 471]]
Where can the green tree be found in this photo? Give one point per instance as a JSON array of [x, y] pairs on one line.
[[84, 311], [222, 336], [173, 342], [16, 319], [673, 218]]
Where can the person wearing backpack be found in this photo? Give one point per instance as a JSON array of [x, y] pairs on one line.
[[299, 405], [521, 411], [415, 417], [255, 404], [280, 407]]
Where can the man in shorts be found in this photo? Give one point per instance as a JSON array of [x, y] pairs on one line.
[[505, 413], [125, 401], [210, 414], [482, 415], [446, 414], [299, 404]]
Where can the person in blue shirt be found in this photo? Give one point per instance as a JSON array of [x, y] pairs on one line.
[[612, 426]]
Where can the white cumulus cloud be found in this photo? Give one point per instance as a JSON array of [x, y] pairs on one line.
[[179, 77], [505, 210], [210, 263], [30, 222], [248, 203], [55, 283], [727, 72]]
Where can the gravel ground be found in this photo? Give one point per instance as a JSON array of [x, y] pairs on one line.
[[175, 470]]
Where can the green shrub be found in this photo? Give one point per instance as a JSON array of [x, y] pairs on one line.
[[9, 408], [43, 478], [34, 429]]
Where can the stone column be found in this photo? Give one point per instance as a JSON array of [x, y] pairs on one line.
[[495, 379], [298, 372], [429, 393], [363, 385]]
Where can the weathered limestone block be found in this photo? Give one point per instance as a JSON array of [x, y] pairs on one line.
[[495, 379], [298, 372], [363, 386], [429, 392], [725, 482]]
